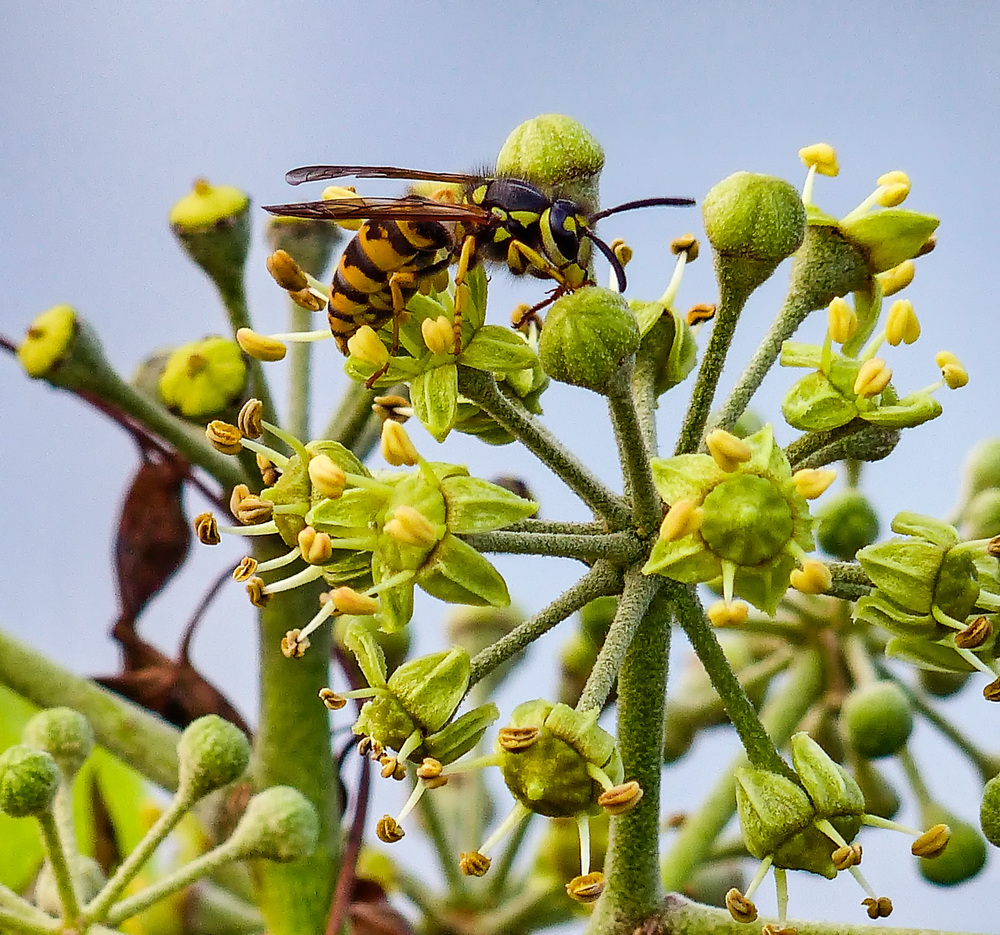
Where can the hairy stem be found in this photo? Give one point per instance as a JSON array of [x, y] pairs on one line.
[[300, 364], [482, 389], [632, 863], [141, 739], [780, 716], [760, 750], [604, 578], [618, 547]]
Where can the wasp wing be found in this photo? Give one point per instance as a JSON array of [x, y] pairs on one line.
[[394, 209], [317, 173]]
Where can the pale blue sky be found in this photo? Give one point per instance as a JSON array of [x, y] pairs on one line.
[[110, 110]]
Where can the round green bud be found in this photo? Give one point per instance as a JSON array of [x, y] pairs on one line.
[[710, 882], [29, 780], [940, 683], [279, 824], [203, 378], [212, 753], [981, 516], [557, 153], [587, 335], [754, 216], [747, 519], [847, 521], [596, 617], [88, 878], [668, 348], [962, 859], [989, 812], [877, 719], [981, 469], [63, 733]]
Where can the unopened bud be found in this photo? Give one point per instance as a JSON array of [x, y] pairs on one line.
[[211, 753]]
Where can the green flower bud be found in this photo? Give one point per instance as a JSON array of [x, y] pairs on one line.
[[212, 223], [964, 856], [981, 470], [431, 687], [942, 684], [710, 882], [877, 719], [458, 574], [212, 753], [668, 347], [558, 154], [989, 812], [29, 780], [587, 335], [847, 521], [550, 776], [753, 222], [203, 378], [772, 810], [88, 880], [475, 505], [63, 733], [308, 241], [596, 617], [279, 824], [881, 798], [981, 515]]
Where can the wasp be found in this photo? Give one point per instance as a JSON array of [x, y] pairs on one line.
[[404, 243]]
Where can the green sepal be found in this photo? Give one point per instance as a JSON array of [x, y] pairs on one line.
[[667, 342], [292, 488], [461, 735], [912, 410], [877, 610], [581, 731], [928, 655], [350, 514], [400, 370], [371, 660], [395, 603], [475, 505], [904, 570], [685, 477], [434, 397], [771, 810], [686, 560], [942, 534], [831, 788], [765, 586], [956, 589], [431, 687], [456, 573], [814, 404], [890, 236], [498, 350], [420, 490]]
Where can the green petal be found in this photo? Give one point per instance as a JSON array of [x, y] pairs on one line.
[[498, 350], [764, 587], [458, 574], [686, 560], [434, 397], [476, 505], [890, 236], [371, 660], [353, 511], [685, 477]]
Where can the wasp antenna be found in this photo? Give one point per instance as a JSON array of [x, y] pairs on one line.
[[612, 259], [642, 203]]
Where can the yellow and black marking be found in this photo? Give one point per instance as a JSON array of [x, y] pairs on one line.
[[405, 242]]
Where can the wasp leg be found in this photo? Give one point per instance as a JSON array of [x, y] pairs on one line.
[[520, 256], [524, 315], [465, 261], [399, 284]]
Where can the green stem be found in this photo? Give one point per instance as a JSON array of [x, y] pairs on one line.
[[56, 854], [433, 827], [633, 452], [137, 737], [40, 925], [794, 311], [632, 863], [731, 302], [300, 363], [234, 298], [644, 395], [501, 866], [292, 747], [678, 916], [619, 547], [482, 389], [849, 581], [780, 716], [352, 417], [855, 439], [638, 592], [917, 785], [760, 750], [97, 910], [604, 578], [556, 528]]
